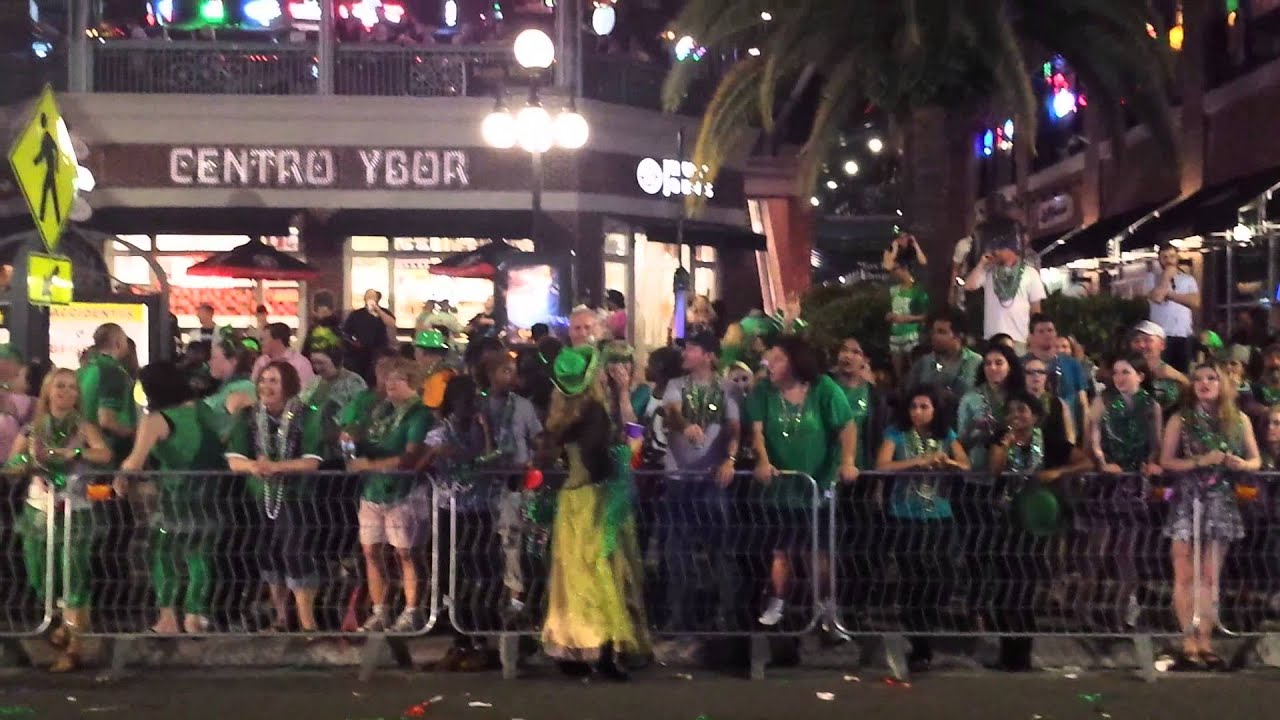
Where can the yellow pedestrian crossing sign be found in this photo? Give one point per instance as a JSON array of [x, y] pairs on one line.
[[44, 164]]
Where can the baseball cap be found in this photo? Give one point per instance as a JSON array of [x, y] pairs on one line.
[[1146, 327], [705, 340]]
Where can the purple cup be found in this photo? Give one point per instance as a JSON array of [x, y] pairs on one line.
[[635, 431]]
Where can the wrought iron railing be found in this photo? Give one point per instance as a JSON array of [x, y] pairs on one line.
[[216, 67]]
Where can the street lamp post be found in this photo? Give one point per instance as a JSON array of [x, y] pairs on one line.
[[532, 128]]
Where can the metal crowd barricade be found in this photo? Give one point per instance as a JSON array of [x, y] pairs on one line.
[[27, 553], [966, 554], [705, 552], [203, 543]]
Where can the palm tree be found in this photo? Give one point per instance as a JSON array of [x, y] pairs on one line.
[[934, 66]]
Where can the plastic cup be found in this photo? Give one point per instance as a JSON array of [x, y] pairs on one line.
[[635, 431]]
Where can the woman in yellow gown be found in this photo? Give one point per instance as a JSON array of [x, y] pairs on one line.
[[595, 611]]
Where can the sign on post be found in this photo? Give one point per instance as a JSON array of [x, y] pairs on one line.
[[49, 280], [44, 165]]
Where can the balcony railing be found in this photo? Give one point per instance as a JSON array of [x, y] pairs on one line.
[[218, 67], [420, 72], [204, 68]]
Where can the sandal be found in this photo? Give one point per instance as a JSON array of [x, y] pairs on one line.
[[1212, 661]]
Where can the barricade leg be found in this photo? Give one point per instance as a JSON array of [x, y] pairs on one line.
[[1144, 651], [509, 654], [895, 656], [759, 656]]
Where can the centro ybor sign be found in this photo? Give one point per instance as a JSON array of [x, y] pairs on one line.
[[673, 177], [311, 168]]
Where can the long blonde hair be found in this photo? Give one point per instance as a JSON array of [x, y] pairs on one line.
[[1230, 418], [46, 390]]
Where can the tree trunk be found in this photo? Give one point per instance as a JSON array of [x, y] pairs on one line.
[[935, 190]]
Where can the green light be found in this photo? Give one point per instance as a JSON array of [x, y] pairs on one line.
[[1048, 70], [1233, 6], [213, 11]]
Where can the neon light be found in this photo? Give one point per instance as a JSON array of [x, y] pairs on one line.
[[263, 12], [988, 143], [1008, 129], [306, 11], [451, 13], [213, 11], [164, 8], [1064, 103]]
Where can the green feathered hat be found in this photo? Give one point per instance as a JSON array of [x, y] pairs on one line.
[[575, 368]]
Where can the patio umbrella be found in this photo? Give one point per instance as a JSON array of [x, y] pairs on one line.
[[255, 261], [480, 263]]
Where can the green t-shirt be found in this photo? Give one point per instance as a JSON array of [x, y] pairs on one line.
[[354, 417], [907, 301], [105, 384], [859, 402], [193, 444], [305, 439], [391, 431], [217, 402], [802, 439]]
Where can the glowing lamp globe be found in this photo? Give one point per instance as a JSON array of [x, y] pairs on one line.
[[571, 130], [603, 19], [534, 130], [499, 130], [534, 50]]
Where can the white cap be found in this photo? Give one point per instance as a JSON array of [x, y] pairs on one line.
[[1146, 327]]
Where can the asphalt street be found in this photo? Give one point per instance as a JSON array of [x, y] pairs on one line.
[[651, 695]]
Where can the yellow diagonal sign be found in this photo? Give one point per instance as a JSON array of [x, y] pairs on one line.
[[44, 164]]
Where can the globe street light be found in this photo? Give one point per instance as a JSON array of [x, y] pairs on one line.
[[534, 50], [532, 128]]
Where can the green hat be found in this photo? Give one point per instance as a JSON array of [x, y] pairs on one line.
[[575, 368], [431, 340], [9, 351], [618, 351], [756, 325], [1038, 511], [1212, 340]]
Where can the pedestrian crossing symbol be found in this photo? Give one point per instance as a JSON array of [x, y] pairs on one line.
[[44, 164]]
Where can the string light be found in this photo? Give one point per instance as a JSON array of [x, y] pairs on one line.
[[851, 167], [875, 145], [766, 16], [832, 184]]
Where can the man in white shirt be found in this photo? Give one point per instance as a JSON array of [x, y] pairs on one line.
[[1013, 290], [1173, 296]]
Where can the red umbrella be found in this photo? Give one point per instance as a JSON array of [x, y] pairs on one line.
[[254, 261], [481, 263]]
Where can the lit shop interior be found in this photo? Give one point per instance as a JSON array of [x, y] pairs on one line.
[[399, 268]]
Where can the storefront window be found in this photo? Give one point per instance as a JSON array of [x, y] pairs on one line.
[[368, 273], [400, 268], [617, 244], [416, 286], [234, 300]]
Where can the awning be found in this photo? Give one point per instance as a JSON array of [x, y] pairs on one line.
[[1211, 209], [1089, 242], [721, 237]]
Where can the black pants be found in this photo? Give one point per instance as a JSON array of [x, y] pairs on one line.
[[1177, 352], [924, 552]]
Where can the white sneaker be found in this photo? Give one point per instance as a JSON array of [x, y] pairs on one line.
[[409, 621], [377, 622], [772, 614]]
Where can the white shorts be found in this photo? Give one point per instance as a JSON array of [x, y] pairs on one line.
[[403, 524]]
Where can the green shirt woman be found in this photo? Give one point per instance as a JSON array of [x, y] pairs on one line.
[[181, 440], [277, 442], [51, 450], [802, 425]]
